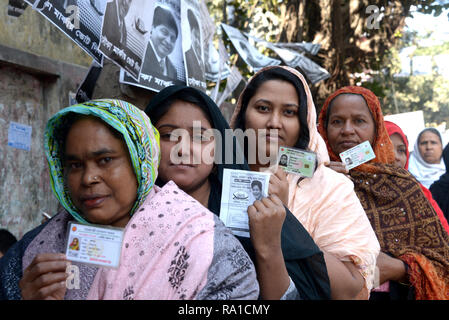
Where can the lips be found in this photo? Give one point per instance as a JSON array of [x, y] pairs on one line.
[[182, 166], [348, 144], [273, 137], [93, 201]]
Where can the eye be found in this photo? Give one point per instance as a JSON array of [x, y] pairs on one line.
[[74, 165], [263, 108], [359, 121], [336, 121], [170, 136], [290, 112], [198, 138], [105, 160]]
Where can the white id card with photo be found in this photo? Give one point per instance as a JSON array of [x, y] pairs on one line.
[[297, 161], [92, 244], [240, 189], [357, 155]]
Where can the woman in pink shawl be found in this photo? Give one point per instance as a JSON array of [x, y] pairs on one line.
[[103, 157], [278, 99]]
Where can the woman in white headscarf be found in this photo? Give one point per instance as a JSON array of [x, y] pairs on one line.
[[426, 163]]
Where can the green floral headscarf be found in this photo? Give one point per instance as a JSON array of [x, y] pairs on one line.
[[140, 136]]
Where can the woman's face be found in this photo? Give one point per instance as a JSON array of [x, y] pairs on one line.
[[257, 193], [273, 107], [400, 150], [186, 154], [430, 147], [350, 123], [99, 174]]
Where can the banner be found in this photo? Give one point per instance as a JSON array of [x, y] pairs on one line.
[[249, 54], [163, 64], [125, 33]]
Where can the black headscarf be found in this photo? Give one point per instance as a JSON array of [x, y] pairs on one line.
[[440, 188], [303, 259]]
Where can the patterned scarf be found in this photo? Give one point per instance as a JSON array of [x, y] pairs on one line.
[[405, 223], [141, 138]]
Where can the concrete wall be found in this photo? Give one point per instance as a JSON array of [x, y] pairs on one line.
[[39, 66], [32, 32]]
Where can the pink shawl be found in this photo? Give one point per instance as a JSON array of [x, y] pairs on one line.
[[167, 252]]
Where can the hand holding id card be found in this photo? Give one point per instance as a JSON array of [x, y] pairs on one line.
[[297, 161], [357, 155], [240, 189], [97, 245]]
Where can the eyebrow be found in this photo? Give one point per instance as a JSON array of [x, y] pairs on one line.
[[93, 154], [285, 104], [176, 127]]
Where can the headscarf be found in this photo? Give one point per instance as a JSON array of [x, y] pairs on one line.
[[333, 217], [393, 128], [304, 260], [316, 142], [141, 138], [382, 146], [226, 154], [405, 223], [425, 172], [440, 188]]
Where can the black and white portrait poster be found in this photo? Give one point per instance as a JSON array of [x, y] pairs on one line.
[[249, 53], [80, 20], [207, 23], [125, 32], [163, 64], [308, 47], [216, 67], [192, 44]]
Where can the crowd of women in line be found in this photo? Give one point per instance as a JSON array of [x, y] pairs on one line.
[[373, 232]]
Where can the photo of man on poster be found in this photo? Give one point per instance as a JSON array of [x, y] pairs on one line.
[[194, 56], [161, 44], [114, 27]]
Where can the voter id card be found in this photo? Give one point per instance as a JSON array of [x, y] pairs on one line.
[[357, 155], [93, 244], [297, 161]]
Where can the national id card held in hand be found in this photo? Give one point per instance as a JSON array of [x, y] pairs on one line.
[[93, 244], [357, 155], [297, 161]]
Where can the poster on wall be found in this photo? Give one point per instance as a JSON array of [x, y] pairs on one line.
[[249, 54], [19, 136], [163, 64], [80, 20], [125, 32], [192, 44]]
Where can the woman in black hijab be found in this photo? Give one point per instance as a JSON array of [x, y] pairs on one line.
[[173, 108], [440, 188]]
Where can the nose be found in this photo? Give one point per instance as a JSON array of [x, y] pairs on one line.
[[184, 146], [347, 128], [275, 121], [91, 175], [397, 158]]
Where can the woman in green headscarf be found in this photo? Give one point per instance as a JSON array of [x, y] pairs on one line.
[[103, 157]]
